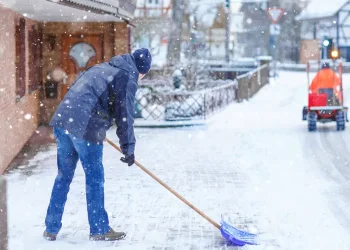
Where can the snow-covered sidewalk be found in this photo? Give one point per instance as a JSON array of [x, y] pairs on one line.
[[253, 162]]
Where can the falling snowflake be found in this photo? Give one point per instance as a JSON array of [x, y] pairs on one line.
[[70, 119], [28, 116], [124, 119]]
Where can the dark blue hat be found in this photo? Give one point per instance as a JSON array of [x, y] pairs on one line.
[[143, 60], [326, 65]]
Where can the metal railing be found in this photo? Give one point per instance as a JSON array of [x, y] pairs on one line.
[[183, 105], [250, 83], [186, 105], [219, 97], [3, 215]]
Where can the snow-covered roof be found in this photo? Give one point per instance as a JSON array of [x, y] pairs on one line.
[[52, 11], [153, 3], [317, 9], [153, 8]]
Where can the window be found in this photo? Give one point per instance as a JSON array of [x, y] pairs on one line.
[[155, 1], [35, 58], [20, 59], [82, 53]]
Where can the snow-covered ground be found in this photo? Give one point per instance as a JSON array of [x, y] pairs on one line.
[[255, 162]]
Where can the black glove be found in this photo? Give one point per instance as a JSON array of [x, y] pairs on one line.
[[129, 159]]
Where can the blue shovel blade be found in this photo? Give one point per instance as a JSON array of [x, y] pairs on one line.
[[236, 236]]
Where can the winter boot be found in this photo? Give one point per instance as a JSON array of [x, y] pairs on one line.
[[50, 237], [110, 236]]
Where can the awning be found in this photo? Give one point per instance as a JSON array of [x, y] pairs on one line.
[[123, 9], [74, 10]]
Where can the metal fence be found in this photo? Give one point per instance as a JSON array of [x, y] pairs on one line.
[[250, 83], [3, 215], [218, 98], [183, 105], [190, 105]]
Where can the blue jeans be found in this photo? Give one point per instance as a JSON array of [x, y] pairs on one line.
[[69, 150]]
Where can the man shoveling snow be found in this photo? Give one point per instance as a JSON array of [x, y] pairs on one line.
[[103, 93]]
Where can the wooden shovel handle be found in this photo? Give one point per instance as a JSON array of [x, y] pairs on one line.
[[169, 188]]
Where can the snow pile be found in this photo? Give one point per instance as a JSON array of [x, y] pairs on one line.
[[188, 108], [149, 104], [167, 106]]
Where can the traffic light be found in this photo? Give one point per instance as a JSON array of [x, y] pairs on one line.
[[335, 54], [327, 42], [329, 49], [227, 3]]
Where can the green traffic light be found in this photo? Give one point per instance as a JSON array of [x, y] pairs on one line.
[[326, 43]]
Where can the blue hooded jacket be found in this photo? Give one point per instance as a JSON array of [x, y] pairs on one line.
[[102, 94]]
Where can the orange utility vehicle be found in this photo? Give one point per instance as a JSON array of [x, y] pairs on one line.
[[325, 95]]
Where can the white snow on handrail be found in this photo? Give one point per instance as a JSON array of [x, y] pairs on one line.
[[252, 72]]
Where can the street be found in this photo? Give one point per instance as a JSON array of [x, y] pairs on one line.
[[254, 162]]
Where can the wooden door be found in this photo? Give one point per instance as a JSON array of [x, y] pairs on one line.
[[79, 53]]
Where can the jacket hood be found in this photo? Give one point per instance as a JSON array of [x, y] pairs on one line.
[[125, 62]]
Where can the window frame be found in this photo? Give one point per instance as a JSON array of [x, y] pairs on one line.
[[35, 58], [20, 62]]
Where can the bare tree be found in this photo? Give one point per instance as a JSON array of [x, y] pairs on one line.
[[257, 35], [289, 39], [151, 28], [174, 47]]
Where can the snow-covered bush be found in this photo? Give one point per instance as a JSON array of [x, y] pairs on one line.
[[187, 107]]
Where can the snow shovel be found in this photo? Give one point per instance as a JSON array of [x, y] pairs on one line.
[[235, 236]]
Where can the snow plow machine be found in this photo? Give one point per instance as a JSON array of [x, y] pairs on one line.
[[325, 104]]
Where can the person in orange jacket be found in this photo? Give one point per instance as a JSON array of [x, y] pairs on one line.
[[325, 80]]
